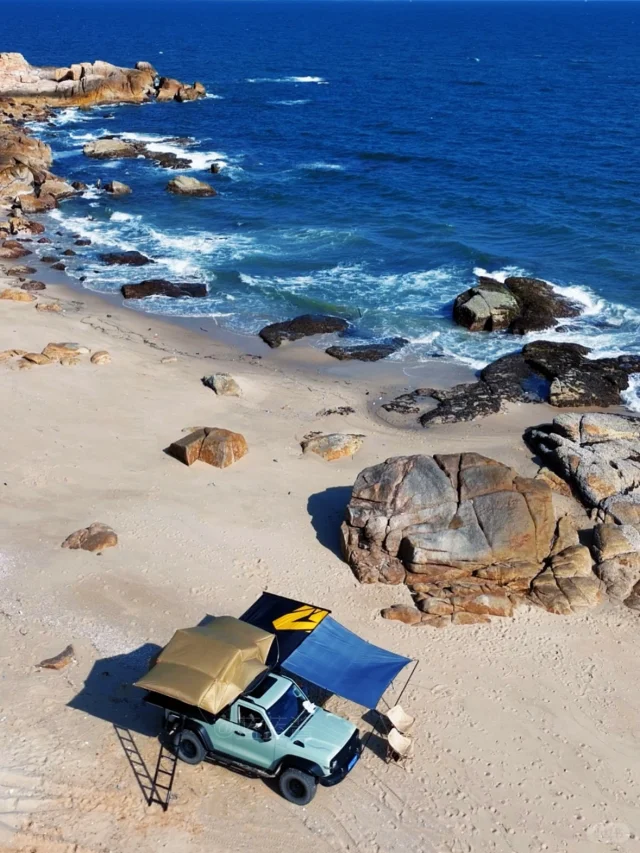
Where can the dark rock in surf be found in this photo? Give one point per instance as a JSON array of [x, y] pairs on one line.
[[367, 352], [301, 327], [160, 287], [520, 305], [132, 259]]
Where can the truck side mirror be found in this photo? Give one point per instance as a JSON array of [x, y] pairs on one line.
[[265, 736]]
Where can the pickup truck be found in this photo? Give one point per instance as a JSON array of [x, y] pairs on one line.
[[272, 730]]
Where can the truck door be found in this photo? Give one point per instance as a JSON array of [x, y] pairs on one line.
[[248, 729]]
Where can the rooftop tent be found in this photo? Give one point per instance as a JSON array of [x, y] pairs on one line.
[[290, 620], [339, 661], [211, 665]]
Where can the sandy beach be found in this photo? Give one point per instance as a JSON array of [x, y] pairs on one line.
[[526, 728]]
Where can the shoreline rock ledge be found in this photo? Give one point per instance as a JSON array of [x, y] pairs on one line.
[[85, 83], [468, 536]]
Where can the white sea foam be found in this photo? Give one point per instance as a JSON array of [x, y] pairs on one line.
[[121, 216], [212, 97], [291, 103], [318, 80], [631, 397], [321, 167]]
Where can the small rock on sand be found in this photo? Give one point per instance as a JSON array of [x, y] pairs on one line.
[[215, 446], [53, 307], [59, 661], [333, 446], [101, 357], [17, 295], [170, 359], [223, 384], [96, 537]]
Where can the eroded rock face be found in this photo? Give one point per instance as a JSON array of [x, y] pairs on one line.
[[466, 534], [598, 455], [520, 305], [301, 327], [96, 537]]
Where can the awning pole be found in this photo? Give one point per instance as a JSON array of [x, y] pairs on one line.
[[406, 684]]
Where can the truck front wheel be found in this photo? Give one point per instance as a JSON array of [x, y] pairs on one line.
[[189, 747], [297, 786]]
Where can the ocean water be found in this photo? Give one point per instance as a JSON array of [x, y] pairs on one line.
[[373, 157]]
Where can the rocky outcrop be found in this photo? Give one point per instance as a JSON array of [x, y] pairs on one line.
[[26, 94], [217, 447], [598, 456], [303, 326], [132, 259], [83, 84], [519, 305], [467, 535], [96, 537], [544, 371], [334, 446], [184, 185], [367, 352], [161, 287], [113, 148]]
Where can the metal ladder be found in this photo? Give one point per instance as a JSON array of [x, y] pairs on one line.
[[165, 772]]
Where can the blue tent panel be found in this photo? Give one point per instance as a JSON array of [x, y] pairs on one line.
[[339, 661]]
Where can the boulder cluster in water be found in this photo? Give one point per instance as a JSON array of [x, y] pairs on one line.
[[27, 93]]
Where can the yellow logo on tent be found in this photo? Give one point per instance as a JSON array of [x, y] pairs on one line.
[[304, 618]]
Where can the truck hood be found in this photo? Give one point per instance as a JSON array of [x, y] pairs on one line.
[[324, 731]]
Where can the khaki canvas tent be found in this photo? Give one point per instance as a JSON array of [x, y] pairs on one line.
[[211, 665]]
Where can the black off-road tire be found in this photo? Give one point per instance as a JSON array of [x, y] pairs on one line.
[[189, 748], [297, 786]]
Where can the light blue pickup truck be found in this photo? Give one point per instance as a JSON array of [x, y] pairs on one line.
[[272, 730]]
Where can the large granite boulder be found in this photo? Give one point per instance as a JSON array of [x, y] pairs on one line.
[[466, 534], [301, 327], [520, 305]]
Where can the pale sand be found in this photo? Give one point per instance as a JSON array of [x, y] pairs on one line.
[[527, 729]]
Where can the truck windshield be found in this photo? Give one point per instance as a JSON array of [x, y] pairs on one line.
[[288, 711]]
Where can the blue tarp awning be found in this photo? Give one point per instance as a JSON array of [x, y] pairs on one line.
[[337, 660]]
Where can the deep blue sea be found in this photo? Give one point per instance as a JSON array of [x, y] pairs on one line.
[[373, 156]]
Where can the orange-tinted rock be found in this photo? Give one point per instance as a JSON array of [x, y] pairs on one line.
[[96, 537], [187, 449], [222, 448], [59, 661], [402, 613]]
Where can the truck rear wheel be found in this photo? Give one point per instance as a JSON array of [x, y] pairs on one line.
[[297, 786], [189, 747]]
